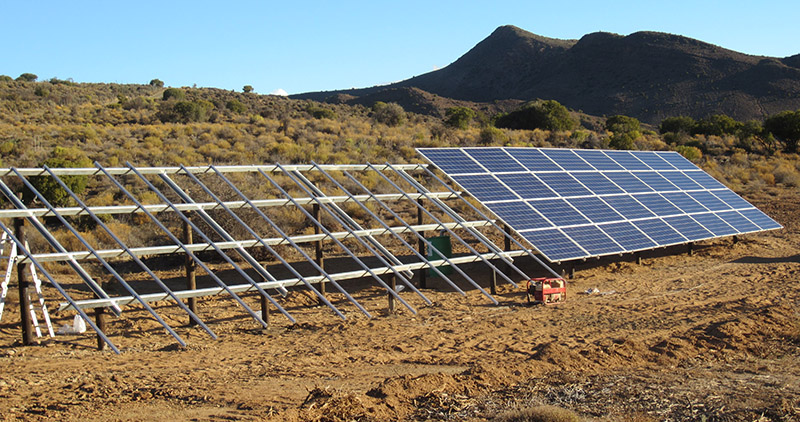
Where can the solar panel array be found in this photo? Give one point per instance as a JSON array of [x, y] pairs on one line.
[[572, 203]]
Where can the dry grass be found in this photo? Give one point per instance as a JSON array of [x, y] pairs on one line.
[[539, 414]]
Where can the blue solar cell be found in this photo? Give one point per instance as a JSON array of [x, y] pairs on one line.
[[628, 207], [597, 183], [627, 181], [688, 227], [533, 159], [554, 245], [760, 219], [558, 212], [563, 184], [628, 236], [704, 179], [738, 221], [732, 199], [527, 186], [595, 209], [567, 159], [714, 224], [598, 159], [627, 160], [485, 188], [684, 202], [519, 215], [593, 240], [653, 160], [659, 231], [451, 161], [709, 200], [495, 160], [680, 180], [655, 181], [657, 204], [676, 160]]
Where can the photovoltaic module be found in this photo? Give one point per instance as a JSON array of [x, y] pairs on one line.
[[574, 203]]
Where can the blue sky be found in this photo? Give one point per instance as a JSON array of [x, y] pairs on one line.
[[300, 46]]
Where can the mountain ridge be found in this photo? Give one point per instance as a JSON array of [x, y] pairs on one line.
[[648, 75]]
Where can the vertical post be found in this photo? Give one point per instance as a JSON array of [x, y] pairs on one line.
[[493, 285], [735, 239], [264, 309], [423, 280], [638, 256], [23, 283], [506, 248], [572, 271], [690, 248], [318, 258], [191, 278], [100, 320], [393, 286]]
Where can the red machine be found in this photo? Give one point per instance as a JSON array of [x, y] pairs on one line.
[[547, 290]]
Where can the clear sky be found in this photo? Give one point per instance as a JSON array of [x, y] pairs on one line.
[[300, 46]]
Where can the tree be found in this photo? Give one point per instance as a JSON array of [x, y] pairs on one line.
[[718, 124], [547, 115], [786, 127], [158, 83], [175, 93], [459, 117], [391, 114], [6, 78], [27, 77], [247, 88], [320, 112], [678, 124], [60, 158], [185, 111]]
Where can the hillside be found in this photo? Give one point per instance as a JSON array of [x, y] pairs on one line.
[[647, 75]]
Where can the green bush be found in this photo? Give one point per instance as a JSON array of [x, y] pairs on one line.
[[185, 111], [320, 112], [391, 114], [624, 131], [41, 91], [236, 106], [459, 117], [158, 83], [6, 78], [49, 188], [718, 124], [690, 153], [546, 115], [679, 124], [247, 88], [492, 136], [173, 93]]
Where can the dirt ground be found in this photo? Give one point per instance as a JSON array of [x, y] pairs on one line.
[[713, 336]]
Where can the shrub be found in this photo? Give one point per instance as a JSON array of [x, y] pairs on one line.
[[391, 114], [320, 112], [49, 188], [718, 124], [247, 88], [459, 117], [679, 124], [689, 153], [27, 77], [6, 78], [625, 131], [185, 111], [174, 93], [236, 106], [158, 83], [40, 91], [545, 115], [492, 136]]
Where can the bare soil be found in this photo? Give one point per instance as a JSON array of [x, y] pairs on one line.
[[713, 336]]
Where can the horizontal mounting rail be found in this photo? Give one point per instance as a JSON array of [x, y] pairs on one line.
[[156, 208], [199, 247], [91, 171], [241, 288]]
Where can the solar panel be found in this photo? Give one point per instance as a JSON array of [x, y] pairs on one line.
[[572, 204]]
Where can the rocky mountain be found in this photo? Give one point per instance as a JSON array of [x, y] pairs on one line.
[[647, 75]]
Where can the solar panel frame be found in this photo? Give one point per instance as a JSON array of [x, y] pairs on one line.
[[585, 203]]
